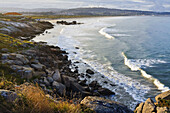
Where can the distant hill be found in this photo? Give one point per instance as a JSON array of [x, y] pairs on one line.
[[84, 11], [108, 12], [4, 10]]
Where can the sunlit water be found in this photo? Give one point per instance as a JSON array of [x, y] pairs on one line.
[[130, 52]]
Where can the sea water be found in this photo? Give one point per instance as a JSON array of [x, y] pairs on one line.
[[130, 55]]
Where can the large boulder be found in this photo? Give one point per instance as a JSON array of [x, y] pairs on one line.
[[60, 88], [67, 80], [149, 106], [56, 76], [101, 105], [165, 95]]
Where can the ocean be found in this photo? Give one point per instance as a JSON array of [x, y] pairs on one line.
[[130, 55]]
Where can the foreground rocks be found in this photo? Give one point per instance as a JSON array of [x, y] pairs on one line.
[[101, 105], [150, 107]]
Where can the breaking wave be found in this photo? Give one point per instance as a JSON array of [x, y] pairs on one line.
[[140, 64], [102, 32]]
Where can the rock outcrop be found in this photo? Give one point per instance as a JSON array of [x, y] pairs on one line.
[[162, 104], [101, 105]]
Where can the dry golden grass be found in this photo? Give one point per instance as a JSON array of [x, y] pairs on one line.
[[34, 100]]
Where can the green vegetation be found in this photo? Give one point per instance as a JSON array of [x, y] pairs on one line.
[[11, 43], [57, 16]]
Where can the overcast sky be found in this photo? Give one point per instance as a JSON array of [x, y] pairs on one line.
[[156, 5]]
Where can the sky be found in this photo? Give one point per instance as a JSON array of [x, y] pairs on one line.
[[154, 5]]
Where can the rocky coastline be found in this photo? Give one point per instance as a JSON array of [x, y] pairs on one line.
[[49, 67]]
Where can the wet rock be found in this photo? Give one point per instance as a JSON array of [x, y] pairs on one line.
[[94, 85], [105, 82], [77, 48], [8, 95], [89, 71], [149, 106], [56, 76], [60, 88], [104, 91], [165, 95], [101, 105], [83, 82]]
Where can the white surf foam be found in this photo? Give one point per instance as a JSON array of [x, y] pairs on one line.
[[136, 65], [102, 32], [132, 87]]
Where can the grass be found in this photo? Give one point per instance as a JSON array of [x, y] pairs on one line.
[[32, 99], [11, 43]]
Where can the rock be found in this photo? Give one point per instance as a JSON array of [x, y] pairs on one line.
[[104, 91], [9, 62], [67, 80], [94, 85], [5, 56], [101, 105], [56, 76], [40, 74], [77, 48], [4, 50], [34, 61], [89, 71], [60, 88], [162, 110], [50, 79], [46, 82], [8, 95], [149, 106], [43, 86], [139, 108], [16, 67], [38, 67], [76, 87], [18, 57], [18, 62], [28, 72], [165, 95]]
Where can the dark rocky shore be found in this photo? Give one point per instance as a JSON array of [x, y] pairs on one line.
[[49, 67]]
